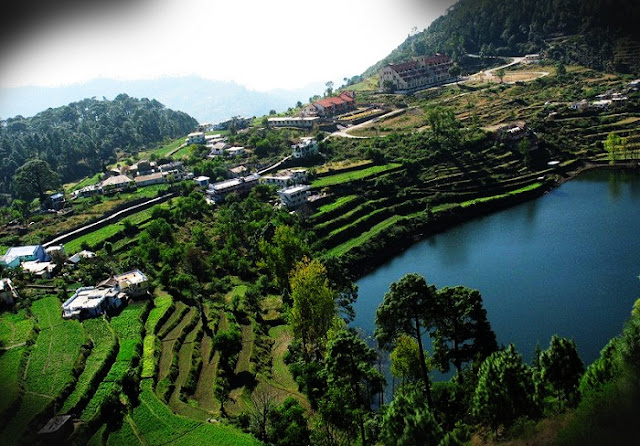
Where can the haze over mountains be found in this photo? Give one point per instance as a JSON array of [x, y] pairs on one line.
[[205, 100]]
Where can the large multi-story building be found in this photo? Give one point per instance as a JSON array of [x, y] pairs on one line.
[[420, 73]]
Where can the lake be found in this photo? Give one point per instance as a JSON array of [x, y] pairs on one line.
[[566, 263]]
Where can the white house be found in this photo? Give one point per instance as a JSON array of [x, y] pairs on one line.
[[91, 301], [202, 180], [216, 149], [304, 122], [235, 151], [286, 178], [218, 191], [78, 256], [133, 283], [40, 269], [196, 138], [294, 196], [87, 191], [307, 146]]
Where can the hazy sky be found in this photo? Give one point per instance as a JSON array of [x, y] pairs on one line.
[[258, 43]]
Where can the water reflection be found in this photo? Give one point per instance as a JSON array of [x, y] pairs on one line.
[[566, 263]]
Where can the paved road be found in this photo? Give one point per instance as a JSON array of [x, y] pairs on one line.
[[343, 132], [111, 218], [267, 169]]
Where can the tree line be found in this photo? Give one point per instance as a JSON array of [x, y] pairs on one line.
[[506, 28]]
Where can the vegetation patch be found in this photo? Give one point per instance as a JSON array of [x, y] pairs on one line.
[[356, 175]]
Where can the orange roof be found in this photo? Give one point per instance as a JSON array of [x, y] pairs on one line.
[[330, 102], [345, 97]]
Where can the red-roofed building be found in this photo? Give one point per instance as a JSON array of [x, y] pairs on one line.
[[332, 105], [407, 77]]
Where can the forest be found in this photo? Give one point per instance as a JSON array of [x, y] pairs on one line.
[[82, 138], [599, 34]]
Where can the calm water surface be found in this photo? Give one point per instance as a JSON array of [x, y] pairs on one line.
[[565, 263]]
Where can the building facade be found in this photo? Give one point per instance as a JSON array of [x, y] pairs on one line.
[[408, 77]]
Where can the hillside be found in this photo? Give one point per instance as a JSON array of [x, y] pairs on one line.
[[600, 34], [223, 349], [81, 138]]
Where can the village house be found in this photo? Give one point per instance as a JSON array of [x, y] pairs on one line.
[[202, 181], [242, 185], [111, 293], [236, 122], [134, 283], [307, 146], [216, 149], [43, 270], [56, 201], [238, 171], [301, 122], [295, 196], [195, 138], [142, 167], [78, 256], [420, 73], [235, 151], [581, 105], [16, 255], [91, 301], [286, 178], [8, 293], [531, 59], [87, 191], [332, 105], [118, 183], [152, 178]]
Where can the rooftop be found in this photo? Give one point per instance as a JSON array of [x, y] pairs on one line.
[[21, 251], [118, 179], [88, 297], [133, 277], [294, 189], [151, 176]]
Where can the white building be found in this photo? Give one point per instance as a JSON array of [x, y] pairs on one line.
[[235, 151], [134, 282], [414, 75], [195, 138], [216, 149], [286, 178], [294, 196], [218, 191], [307, 146], [91, 302], [303, 122], [202, 180], [44, 270]]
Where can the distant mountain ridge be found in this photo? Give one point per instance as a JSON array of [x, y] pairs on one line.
[[601, 34], [205, 100]]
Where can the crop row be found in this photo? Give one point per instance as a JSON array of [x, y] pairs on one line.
[[103, 354]]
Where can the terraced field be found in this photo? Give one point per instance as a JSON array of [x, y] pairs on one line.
[[90, 368]]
